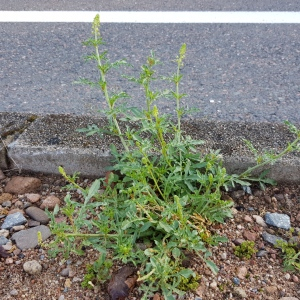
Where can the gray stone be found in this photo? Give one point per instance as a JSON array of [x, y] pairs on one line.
[[238, 194], [270, 238], [13, 220], [13, 292], [259, 220], [3, 240], [278, 220], [6, 204], [32, 267], [65, 272], [239, 292], [261, 253], [28, 239], [37, 214], [32, 223]]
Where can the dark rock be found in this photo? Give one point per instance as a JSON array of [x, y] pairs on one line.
[[37, 214], [279, 197], [33, 223], [237, 194], [270, 238], [261, 253], [65, 272]]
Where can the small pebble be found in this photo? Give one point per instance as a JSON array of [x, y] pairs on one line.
[[259, 220], [9, 261], [13, 292], [213, 285], [68, 283], [32, 267], [287, 276], [261, 253], [65, 272], [18, 228], [224, 256], [6, 203], [236, 281], [248, 219], [241, 272], [240, 292]]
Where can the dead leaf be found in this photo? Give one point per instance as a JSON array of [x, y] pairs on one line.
[[122, 283]]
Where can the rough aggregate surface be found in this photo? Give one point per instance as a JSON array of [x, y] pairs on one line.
[[260, 277]]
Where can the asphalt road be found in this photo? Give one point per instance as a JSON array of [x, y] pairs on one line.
[[243, 72], [171, 5]]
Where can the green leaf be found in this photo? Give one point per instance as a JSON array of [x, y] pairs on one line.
[[176, 253], [186, 273], [166, 227], [56, 209], [92, 191], [145, 227], [126, 224], [212, 266]]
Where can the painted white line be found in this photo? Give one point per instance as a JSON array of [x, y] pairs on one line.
[[152, 16]]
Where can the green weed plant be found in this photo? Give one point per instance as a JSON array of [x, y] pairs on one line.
[[161, 194], [245, 250], [291, 255]]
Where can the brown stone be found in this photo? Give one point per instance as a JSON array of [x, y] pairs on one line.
[[22, 185], [16, 210], [201, 289], [238, 242], [156, 296], [271, 290], [32, 198], [5, 197], [248, 219], [250, 236], [241, 272], [268, 199], [50, 202]]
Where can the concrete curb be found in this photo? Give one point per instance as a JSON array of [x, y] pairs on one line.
[[42, 143]]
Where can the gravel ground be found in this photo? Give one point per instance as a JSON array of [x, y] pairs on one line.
[[260, 277]]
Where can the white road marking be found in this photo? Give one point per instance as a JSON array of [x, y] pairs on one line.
[[153, 16]]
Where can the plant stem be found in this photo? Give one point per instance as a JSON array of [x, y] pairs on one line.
[[86, 235], [105, 91], [288, 149]]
